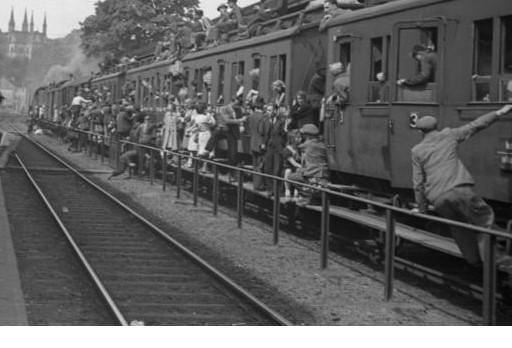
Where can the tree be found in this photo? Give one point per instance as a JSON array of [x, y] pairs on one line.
[[122, 26]]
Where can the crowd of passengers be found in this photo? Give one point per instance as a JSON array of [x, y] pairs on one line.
[[196, 31], [285, 138]]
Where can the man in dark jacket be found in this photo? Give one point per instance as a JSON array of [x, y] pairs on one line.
[[254, 124], [274, 141], [427, 65], [301, 113], [123, 123]]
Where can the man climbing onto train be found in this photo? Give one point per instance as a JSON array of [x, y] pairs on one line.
[[427, 65], [440, 178]]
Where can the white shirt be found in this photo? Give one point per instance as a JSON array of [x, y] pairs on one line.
[[78, 100]]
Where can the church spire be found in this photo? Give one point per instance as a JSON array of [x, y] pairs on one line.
[[24, 26], [32, 22], [45, 27], [12, 24]]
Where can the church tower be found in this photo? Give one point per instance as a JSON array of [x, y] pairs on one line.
[[24, 27], [12, 24], [32, 22], [45, 27]]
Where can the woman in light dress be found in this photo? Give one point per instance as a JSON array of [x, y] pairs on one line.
[[170, 138], [200, 130]]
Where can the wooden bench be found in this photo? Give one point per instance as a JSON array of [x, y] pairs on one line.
[[428, 239]]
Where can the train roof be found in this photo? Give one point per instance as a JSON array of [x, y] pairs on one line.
[[79, 81], [278, 35], [381, 10]]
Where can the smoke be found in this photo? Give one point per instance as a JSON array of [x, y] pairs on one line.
[[77, 64]]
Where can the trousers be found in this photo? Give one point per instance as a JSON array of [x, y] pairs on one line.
[[462, 204]]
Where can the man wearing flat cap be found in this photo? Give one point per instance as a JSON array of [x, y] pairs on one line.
[[440, 177], [427, 65], [315, 158]]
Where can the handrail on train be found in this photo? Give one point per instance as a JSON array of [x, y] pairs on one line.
[[490, 235]]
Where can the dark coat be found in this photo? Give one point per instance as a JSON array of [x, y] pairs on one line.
[[301, 115], [254, 123], [427, 66], [273, 135]]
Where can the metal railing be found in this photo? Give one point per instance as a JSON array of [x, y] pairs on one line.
[[490, 236]]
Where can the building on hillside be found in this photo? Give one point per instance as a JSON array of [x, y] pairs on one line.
[[22, 43]]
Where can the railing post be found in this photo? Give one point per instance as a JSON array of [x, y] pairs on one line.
[[118, 152], [178, 178], [276, 212], [489, 304], [140, 154], [389, 265], [164, 171], [151, 167], [102, 149], [195, 185], [324, 253], [240, 198], [215, 192]]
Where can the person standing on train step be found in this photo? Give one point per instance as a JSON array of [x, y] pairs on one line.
[[123, 123], [440, 177], [77, 103], [274, 141], [253, 124]]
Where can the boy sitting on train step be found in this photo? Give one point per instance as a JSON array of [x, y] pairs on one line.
[[440, 177], [315, 169]]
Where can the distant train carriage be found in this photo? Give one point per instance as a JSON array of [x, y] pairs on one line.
[[371, 138]]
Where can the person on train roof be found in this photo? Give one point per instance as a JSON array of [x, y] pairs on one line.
[[223, 26], [331, 10], [427, 65], [267, 10], [440, 177]]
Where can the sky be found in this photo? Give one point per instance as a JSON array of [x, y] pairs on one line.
[[65, 15]]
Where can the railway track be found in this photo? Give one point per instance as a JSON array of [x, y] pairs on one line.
[[143, 274]]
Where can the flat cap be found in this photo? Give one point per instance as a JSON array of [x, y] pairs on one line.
[[222, 6], [309, 129], [427, 123]]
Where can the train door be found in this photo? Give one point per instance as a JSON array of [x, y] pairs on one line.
[[411, 103], [336, 125]]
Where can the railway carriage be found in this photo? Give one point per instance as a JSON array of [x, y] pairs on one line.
[[371, 139]]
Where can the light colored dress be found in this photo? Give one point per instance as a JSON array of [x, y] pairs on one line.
[[200, 132], [170, 131]]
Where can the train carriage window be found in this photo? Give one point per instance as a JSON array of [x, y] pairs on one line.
[[482, 60], [278, 65], [237, 77], [420, 74], [255, 73], [220, 83], [378, 85], [206, 79], [506, 59], [507, 45]]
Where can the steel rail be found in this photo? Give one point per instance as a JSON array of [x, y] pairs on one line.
[[92, 273], [402, 211], [262, 307]]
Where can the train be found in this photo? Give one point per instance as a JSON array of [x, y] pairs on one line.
[[369, 142]]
